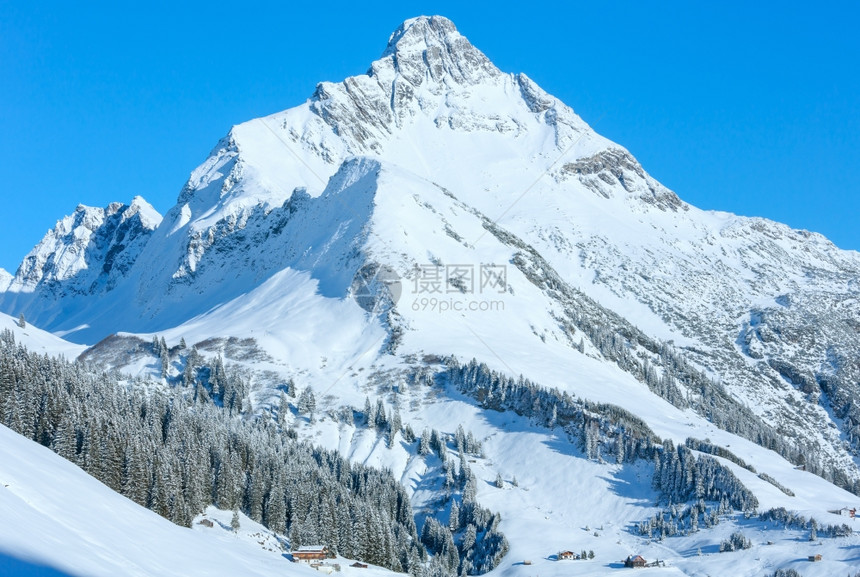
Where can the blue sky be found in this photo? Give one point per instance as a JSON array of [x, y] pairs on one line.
[[738, 107]]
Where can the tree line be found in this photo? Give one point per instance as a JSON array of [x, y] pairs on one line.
[[470, 543], [667, 372], [177, 453], [605, 431]]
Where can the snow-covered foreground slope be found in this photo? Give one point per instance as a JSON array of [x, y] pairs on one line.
[[59, 521], [54, 514]]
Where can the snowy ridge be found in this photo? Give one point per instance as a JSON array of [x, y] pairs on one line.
[[431, 110], [40, 341], [87, 254], [89, 236]]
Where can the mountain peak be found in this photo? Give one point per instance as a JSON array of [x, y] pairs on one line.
[[91, 248], [149, 217], [433, 45], [422, 28]]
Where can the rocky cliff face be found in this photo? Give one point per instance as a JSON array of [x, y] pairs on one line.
[[90, 250]]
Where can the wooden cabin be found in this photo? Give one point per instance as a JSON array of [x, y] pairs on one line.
[[310, 554], [635, 561]]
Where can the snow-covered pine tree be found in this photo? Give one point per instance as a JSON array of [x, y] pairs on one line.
[[307, 403], [394, 426], [408, 433], [424, 443], [381, 420], [454, 518], [283, 410]]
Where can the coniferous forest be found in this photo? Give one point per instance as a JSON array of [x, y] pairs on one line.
[[179, 449], [176, 456], [176, 450]]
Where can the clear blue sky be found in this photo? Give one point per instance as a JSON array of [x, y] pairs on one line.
[[735, 106]]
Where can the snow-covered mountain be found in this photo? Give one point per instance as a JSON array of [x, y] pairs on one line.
[[438, 206], [403, 167], [85, 255]]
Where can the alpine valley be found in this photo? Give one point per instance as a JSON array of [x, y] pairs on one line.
[[433, 321]]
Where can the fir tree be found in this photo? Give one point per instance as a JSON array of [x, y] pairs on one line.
[[454, 518], [283, 410], [307, 403]]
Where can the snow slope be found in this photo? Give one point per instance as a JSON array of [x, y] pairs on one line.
[[54, 514], [561, 498], [59, 521], [39, 341]]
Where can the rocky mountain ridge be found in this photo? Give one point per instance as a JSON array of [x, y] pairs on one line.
[[435, 159]]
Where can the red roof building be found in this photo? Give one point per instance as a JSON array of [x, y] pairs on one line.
[[637, 561]]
